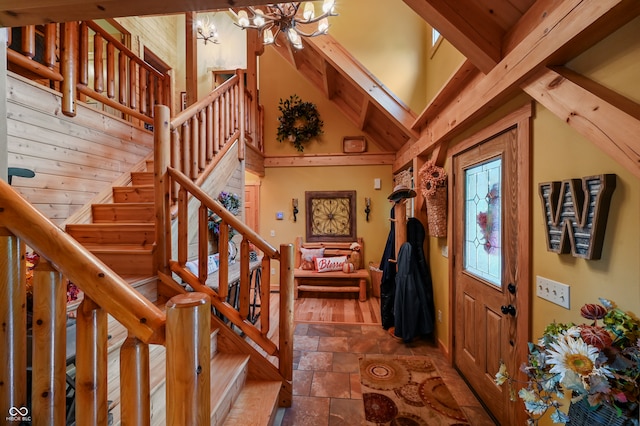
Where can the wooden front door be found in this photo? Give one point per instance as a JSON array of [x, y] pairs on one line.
[[490, 291]]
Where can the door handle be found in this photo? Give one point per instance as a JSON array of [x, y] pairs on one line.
[[508, 310], [512, 288]]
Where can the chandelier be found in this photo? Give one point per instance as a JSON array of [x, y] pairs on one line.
[[284, 17], [207, 31]]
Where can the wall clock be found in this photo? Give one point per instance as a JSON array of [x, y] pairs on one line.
[[330, 215]]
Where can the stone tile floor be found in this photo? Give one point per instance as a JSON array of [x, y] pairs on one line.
[[326, 378]]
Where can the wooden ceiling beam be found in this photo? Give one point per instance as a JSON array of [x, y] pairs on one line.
[[607, 119], [20, 13], [337, 159], [466, 26], [353, 71], [565, 23]]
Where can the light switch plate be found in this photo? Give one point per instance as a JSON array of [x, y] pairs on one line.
[[552, 291]]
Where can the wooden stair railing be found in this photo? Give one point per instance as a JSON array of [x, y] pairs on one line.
[[105, 293], [128, 84], [170, 181]]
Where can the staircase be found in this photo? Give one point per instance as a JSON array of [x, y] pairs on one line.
[[122, 235], [235, 400]]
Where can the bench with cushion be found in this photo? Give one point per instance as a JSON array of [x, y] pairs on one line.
[[330, 281]]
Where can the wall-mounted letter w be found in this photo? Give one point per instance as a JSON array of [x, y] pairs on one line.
[[575, 214]]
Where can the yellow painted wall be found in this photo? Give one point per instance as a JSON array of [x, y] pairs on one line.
[[559, 153], [279, 80], [280, 185], [390, 40]]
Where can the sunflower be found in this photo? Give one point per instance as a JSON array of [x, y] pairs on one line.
[[572, 355]]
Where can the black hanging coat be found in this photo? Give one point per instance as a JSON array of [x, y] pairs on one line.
[[413, 307], [388, 281]]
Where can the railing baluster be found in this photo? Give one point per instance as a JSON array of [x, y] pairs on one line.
[[265, 300], [183, 225], [223, 249], [48, 394], [202, 141], [13, 362], [175, 161], [111, 71], [210, 130], [122, 75], [142, 87], [186, 148], [135, 405], [203, 243], [217, 126], [50, 38], [91, 364], [188, 359], [133, 85], [29, 41], [245, 279], [98, 64], [193, 148], [84, 54]]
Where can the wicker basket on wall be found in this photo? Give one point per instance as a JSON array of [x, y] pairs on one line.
[[433, 185]]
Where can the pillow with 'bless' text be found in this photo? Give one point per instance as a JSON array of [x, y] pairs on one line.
[[325, 264]]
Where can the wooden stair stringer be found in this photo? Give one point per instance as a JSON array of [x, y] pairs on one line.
[[260, 368]]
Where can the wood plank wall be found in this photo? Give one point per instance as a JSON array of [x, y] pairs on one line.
[[159, 34], [73, 158]]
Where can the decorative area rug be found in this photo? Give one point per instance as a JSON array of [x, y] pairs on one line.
[[406, 391]]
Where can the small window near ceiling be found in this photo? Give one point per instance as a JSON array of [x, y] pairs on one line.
[[436, 39]]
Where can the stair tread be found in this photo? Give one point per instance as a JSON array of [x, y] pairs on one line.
[[114, 225], [124, 249], [256, 404], [227, 371]]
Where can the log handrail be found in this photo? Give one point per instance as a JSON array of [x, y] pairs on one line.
[[75, 262], [218, 298]]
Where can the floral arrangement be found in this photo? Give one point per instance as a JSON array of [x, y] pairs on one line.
[[299, 122], [599, 361], [432, 177], [231, 202], [489, 220]]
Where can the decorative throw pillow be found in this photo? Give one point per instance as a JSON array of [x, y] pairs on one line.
[[326, 264], [308, 255]]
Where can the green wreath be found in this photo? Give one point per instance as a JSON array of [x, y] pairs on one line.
[[299, 122]]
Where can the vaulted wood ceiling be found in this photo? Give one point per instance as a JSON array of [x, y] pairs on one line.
[[511, 45]]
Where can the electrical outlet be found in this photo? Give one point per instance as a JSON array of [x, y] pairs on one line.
[[273, 271], [439, 315], [552, 291]]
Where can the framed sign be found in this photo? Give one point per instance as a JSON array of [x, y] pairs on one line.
[[330, 215], [354, 144]]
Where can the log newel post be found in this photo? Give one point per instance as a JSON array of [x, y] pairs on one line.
[[69, 66], [161, 160], [91, 364], [135, 404], [188, 345], [286, 315], [48, 394], [13, 359]]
